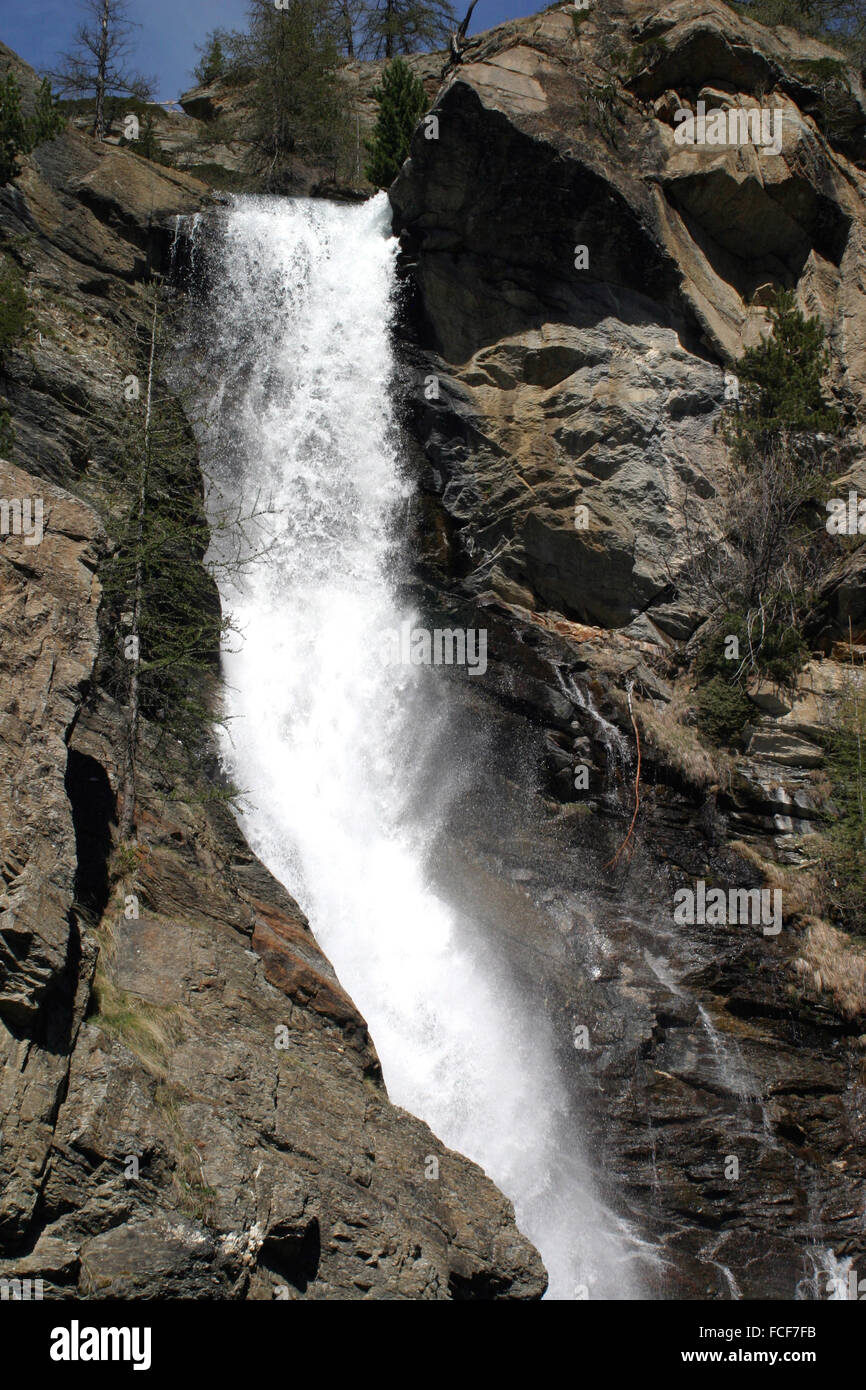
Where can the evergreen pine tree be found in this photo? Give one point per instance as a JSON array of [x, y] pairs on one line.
[[47, 119], [19, 133], [783, 376], [160, 614], [299, 104], [402, 102], [12, 126], [148, 144], [213, 63]]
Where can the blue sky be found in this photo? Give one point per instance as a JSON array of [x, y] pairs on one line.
[[170, 29]]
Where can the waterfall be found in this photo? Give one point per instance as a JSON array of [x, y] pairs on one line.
[[342, 757]]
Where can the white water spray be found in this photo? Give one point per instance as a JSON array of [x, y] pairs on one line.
[[325, 735]]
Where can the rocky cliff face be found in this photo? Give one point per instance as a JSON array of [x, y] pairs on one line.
[[543, 378], [602, 385], [190, 1103]]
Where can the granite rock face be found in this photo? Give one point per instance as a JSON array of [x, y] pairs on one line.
[[583, 281], [578, 288], [190, 1104]]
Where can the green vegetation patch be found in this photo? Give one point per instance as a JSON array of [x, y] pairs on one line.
[[779, 651], [19, 134], [14, 313], [723, 710], [845, 834], [402, 102], [820, 70], [783, 375]]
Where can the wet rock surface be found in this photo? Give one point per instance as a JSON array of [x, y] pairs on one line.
[[722, 1085]]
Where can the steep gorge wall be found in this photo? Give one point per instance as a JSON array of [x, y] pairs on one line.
[[604, 386]]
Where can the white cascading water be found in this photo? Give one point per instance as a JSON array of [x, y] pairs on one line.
[[323, 734]]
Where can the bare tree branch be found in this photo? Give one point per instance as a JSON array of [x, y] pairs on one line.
[[97, 63]]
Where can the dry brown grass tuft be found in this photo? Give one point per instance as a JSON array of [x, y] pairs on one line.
[[801, 888], [150, 1031], [835, 964], [677, 745]]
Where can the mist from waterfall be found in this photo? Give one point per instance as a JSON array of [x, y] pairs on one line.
[[335, 748]]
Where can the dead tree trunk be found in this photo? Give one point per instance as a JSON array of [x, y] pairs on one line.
[[101, 69]]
